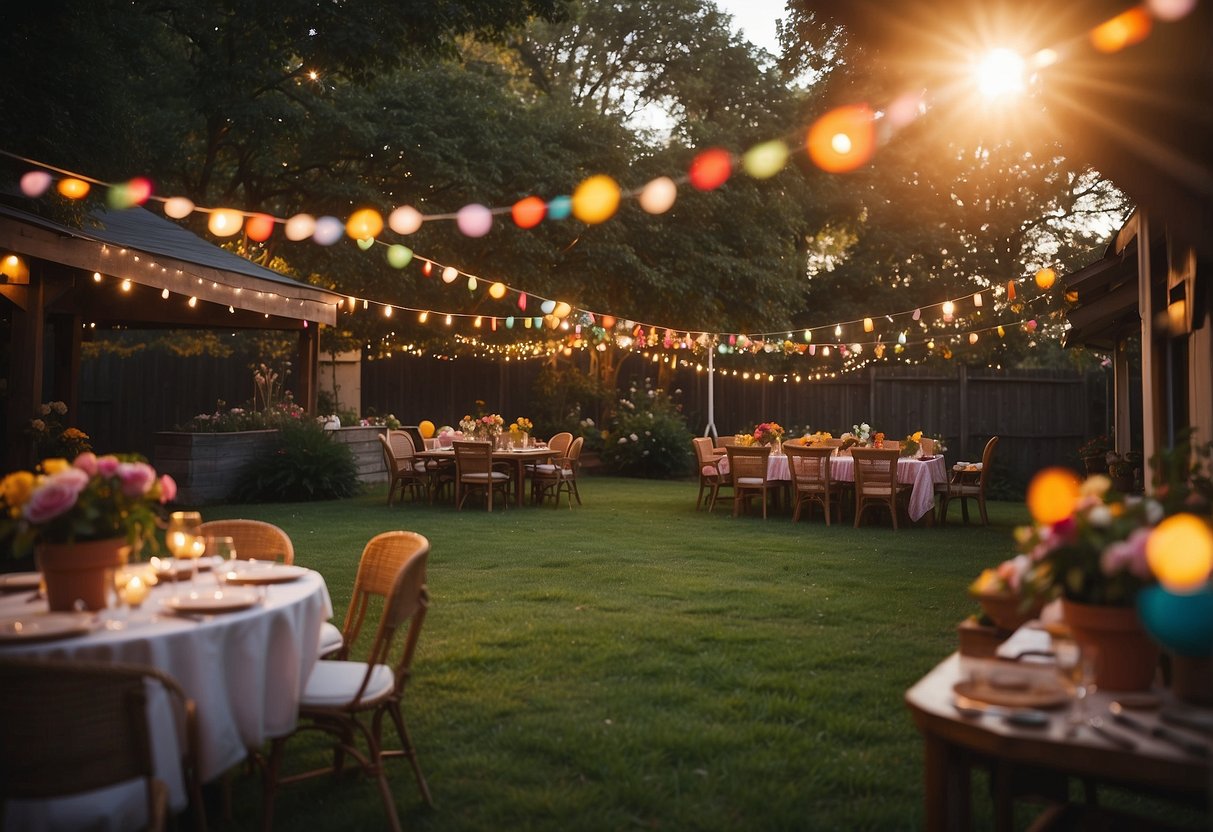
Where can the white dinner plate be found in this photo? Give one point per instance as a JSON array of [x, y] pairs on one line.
[[18, 581], [275, 573], [208, 603], [44, 626]]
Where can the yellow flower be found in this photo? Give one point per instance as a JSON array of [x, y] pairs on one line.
[[17, 487], [55, 465], [917, 436]]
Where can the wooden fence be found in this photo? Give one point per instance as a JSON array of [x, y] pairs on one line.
[[1041, 415]]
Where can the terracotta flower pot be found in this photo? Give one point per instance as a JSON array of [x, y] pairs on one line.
[[1006, 610], [1126, 658], [80, 571]]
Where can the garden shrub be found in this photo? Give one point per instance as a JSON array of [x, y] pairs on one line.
[[304, 463], [648, 436]]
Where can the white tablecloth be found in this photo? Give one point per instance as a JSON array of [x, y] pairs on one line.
[[921, 474], [245, 670]]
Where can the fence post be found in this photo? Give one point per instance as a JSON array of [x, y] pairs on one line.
[[872, 392], [963, 377]]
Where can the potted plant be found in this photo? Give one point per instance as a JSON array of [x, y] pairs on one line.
[[82, 519], [1093, 454]]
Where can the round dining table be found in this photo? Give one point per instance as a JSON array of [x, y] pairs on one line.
[[245, 668]]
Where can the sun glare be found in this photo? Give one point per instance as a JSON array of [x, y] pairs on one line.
[[1000, 73]]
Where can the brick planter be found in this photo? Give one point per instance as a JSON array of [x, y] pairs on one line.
[[206, 464]]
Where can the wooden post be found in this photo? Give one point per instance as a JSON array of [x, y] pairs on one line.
[[25, 376], [1121, 392], [67, 364], [307, 364], [1152, 414], [963, 386]]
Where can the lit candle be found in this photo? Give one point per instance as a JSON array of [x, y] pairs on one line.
[[135, 591]]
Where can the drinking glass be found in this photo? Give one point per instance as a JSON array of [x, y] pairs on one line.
[[184, 537], [223, 547], [1076, 664]]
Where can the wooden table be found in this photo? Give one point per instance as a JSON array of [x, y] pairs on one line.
[[517, 457], [954, 744]]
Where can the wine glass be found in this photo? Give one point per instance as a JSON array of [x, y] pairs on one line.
[[184, 537], [1076, 664], [223, 547]]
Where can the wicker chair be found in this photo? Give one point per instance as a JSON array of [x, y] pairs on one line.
[[811, 483], [560, 442], [474, 471], [71, 727], [748, 468], [254, 539], [711, 478], [558, 475], [876, 481], [403, 467], [348, 699], [969, 485]]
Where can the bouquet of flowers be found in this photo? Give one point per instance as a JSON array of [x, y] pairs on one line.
[[911, 444], [768, 433], [521, 425], [878, 439], [862, 433], [815, 438], [487, 427], [744, 439], [91, 498]]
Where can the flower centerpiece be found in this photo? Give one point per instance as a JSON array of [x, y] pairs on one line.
[[878, 439], [484, 428], [815, 438], [911, 444], [768, 433], [81, 516], [862, 433], [520, 429]]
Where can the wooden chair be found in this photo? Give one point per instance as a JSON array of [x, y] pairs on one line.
[[560, 442], [811, 483], [711, 478], [69, 727], [967, 485], [349, 700], [748, 469], [474, 471], [558, 475], [254, 539], [726, 441], [403, 467], [876, 480]]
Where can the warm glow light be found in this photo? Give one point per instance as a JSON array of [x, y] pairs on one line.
[[224, 222], [364, 224], [192, 302], [1125, 29], [842, 139], [449, 274], [497, 291], [529, 212], [300, 227], [126, 285], [658, 196], [164, 293], [868, 326], [711, 169], [596, 199], [423, 317], [1180, 552], [948, 308], [1052, 495], [73, 188], [259, 227], [1045, 278], [96, 277], [14, 269], [178, 207], [1000, 74]]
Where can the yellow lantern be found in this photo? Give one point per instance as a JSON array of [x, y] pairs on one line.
[[364, 224], [497, 291], [73, 188], [1045, 278], [426, 429], [1180, 552], [596, 199], [224, 222]]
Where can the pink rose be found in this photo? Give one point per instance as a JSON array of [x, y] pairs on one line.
[[136, 478], [168, 489], [107, 466], [55, 497], [86, 462]]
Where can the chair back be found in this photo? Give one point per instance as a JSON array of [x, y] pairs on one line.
[[726, 441], [928, 446], [748, 462], [875, 470], [703, 451], [809, 466], [405, 605], [473, 458], [574, 452], [402, 444], [987, 459], [383, 559], [71, 727], [254, 539], [560, 442], [831, 443]]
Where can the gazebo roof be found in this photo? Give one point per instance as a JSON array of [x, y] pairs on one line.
[[156, 254]]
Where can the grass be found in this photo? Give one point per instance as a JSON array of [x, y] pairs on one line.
[[635, 664]]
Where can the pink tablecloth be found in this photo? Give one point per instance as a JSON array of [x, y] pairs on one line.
[[922, 474]]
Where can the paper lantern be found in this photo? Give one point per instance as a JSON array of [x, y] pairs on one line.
[[509, 322], [560, 207], [529, 212], [762, 161], [426, 429], [399, 256], [547, 306], [474, 220], [1010, 290], [139, 189], [224, 222], [1180, 552], [917, 314], [596, 199], [1170, 10], [842, 139], [259, 227], [972, 337], [522, 301], [658, 196], [472, 283], [497, 291], [551, 321], [1052, 495], [363, 224], [977, 300], [711, 169], [328, 231], [365, 243], [562, 310], [608, 321], [1045, 278], [35, 183], [1125, 29], [449, 274], [300, 227], [178, 207], [868, 326], [404, 220], [73, 188]]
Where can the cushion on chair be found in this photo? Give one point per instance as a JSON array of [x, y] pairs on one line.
[[750, 481], [710, 471], [333, 684], [330, 638], [496, 476]]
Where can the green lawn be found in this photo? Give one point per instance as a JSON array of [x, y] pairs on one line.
[[634, 664]]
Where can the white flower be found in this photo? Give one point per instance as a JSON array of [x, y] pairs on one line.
[[648, 433], [1100, 516], [634, 437], [623, 440]]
